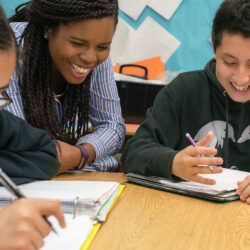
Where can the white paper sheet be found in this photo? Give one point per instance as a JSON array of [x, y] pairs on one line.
[[223, 190], [120, 42], [72, 237], [165, 8], [150, 40], [64, 190], [133, 8], [225, 181]]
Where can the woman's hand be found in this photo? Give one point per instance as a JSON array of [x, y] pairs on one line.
[[189, 163]]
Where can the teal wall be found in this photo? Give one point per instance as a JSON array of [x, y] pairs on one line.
[[191, 24], [10, 5]]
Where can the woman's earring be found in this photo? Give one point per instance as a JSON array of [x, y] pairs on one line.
[[45, 36]]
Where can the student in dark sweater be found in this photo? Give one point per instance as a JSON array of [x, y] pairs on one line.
[[213, 105], [26, 154]]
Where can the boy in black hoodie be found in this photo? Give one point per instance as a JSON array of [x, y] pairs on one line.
[[213, 105]]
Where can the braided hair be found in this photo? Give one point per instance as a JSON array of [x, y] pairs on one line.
[[39, 104]]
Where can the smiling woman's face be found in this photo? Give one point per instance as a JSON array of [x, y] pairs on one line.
[[78, 47]]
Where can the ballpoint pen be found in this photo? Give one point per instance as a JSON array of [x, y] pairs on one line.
[[11, 186], [191, 140]]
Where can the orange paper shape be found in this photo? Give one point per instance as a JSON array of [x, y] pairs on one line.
[[154, 65]]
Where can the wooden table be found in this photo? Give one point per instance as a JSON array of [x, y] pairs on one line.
[[145, 218]]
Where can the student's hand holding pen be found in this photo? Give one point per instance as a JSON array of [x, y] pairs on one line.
[[22, 225], [244, 189], [188, 163]]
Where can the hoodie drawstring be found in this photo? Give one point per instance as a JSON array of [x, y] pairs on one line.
[[226, 145]]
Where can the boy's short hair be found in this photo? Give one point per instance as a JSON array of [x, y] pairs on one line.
[[233, 16]]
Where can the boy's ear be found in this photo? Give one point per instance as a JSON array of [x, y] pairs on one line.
[[214, 53]]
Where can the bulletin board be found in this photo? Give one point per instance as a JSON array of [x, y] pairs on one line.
[[179, 31]]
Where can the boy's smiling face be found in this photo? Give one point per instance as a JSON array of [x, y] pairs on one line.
[[233, 66]]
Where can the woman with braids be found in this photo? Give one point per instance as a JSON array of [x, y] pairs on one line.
[[65, 81]]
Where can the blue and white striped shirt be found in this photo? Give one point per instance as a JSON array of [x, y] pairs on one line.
[[104, 114]]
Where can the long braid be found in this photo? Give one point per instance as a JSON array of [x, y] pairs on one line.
[[21, 13], [39, 105]]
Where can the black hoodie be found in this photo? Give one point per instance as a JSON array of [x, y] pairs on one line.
[[194, 102], [26, 153]]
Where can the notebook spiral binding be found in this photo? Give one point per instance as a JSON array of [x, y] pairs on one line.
[[75, 207]]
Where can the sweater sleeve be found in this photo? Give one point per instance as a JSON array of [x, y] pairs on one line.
[[26, 153], [152, 149]]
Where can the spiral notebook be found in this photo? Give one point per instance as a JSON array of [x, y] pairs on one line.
[[223, 190], [85, 205], [92, 198]]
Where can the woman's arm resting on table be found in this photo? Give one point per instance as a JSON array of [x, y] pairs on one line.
[[70, 156]]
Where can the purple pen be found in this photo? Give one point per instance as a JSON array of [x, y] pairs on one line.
[[191, 140]]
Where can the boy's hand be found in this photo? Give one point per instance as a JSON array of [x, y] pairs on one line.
[[244, 189], [187, 164]]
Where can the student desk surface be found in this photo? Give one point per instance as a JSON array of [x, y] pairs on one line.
[[145, 218]]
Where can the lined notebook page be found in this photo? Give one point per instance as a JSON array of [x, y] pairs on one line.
[[70, 238]]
